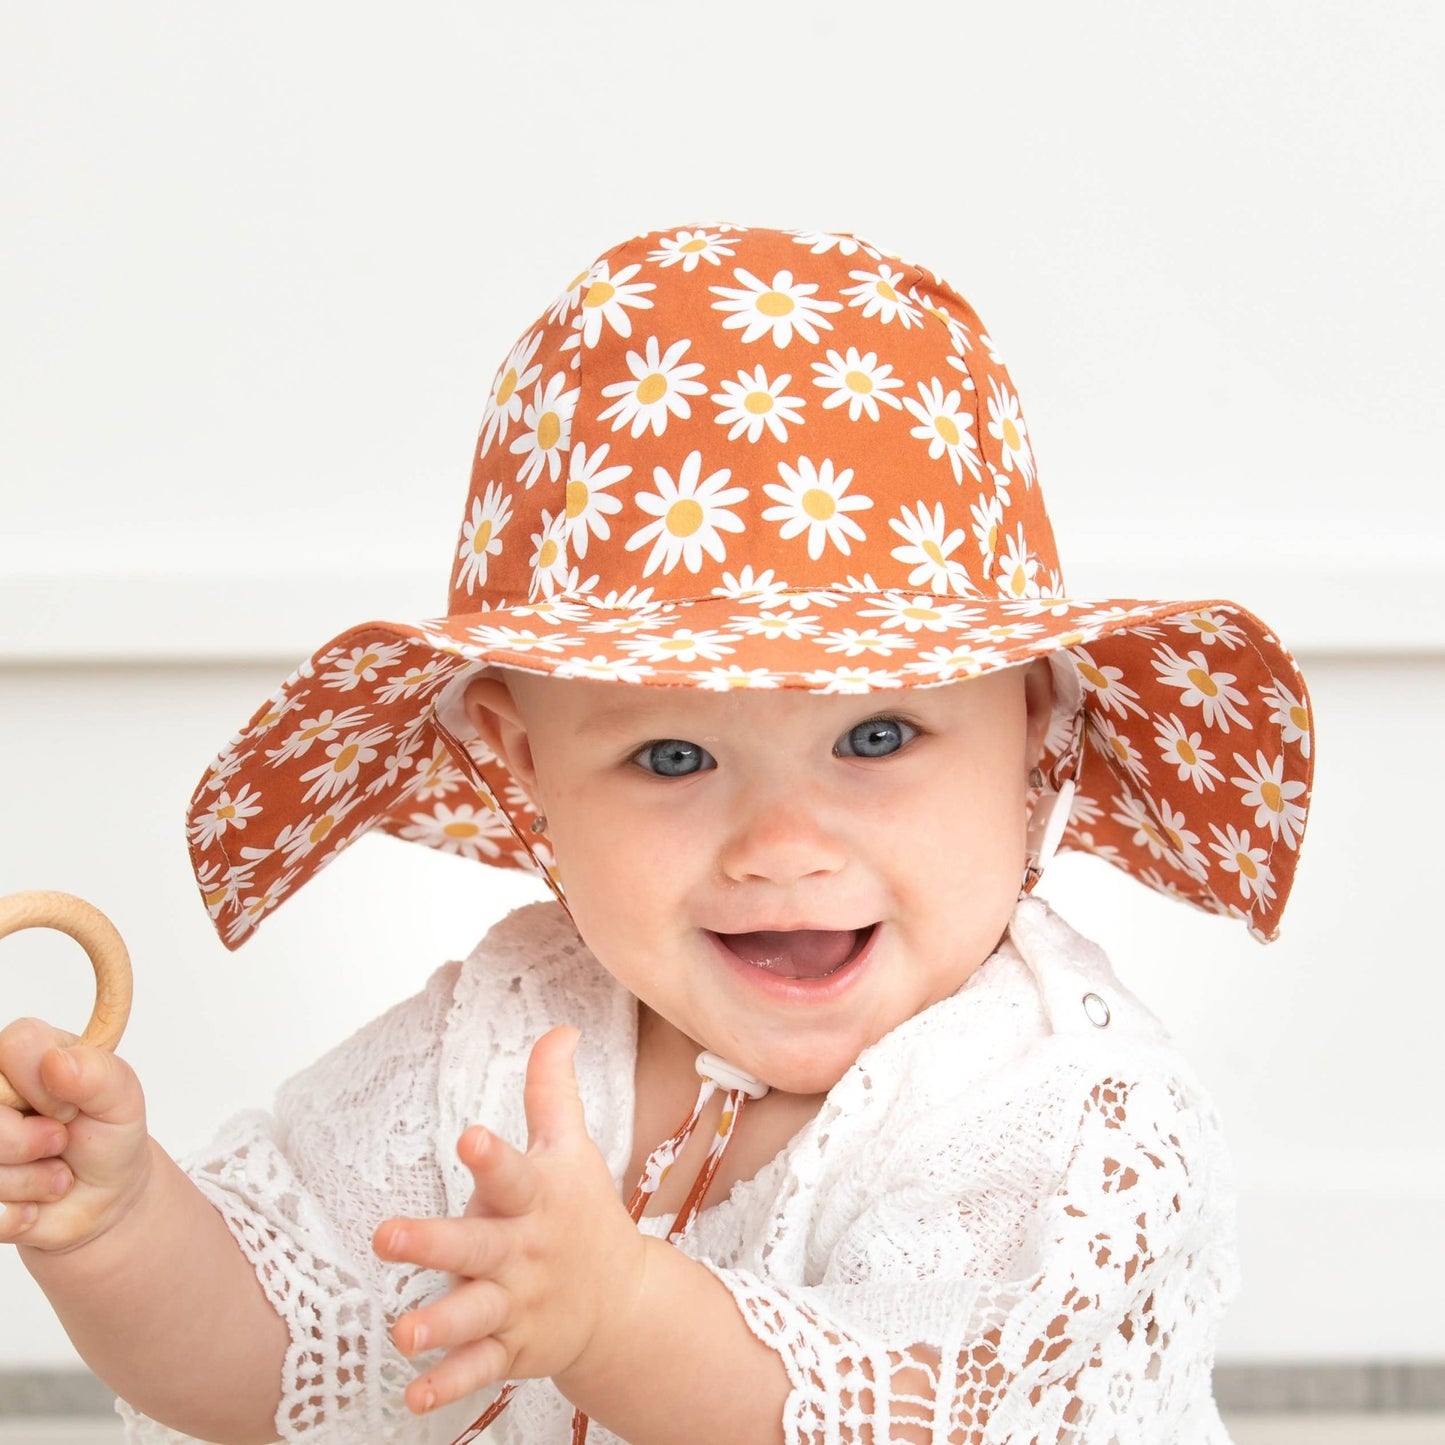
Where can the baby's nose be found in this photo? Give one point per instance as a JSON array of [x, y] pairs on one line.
[[782, 837]]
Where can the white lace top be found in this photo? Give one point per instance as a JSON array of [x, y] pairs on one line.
[[1011, 1221]]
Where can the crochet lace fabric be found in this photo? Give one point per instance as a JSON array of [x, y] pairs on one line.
[[1006, 1223]]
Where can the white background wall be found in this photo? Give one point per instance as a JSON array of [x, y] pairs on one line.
[[257, 265]]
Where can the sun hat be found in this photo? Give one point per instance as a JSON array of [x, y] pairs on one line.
[[734, 457]]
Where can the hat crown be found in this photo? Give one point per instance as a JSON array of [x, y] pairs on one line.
[[720, 408]]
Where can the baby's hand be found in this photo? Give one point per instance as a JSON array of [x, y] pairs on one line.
[[546, 1254], [72, 1169]]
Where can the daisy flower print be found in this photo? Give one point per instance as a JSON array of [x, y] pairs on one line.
[[1239, 854], [481, 537], [928, 547], [1184, 751], [589, 503], [778, 308], [688, 248], [946, 427], [1213, 693], [548, 420], [858, 381], [815, 500], [1289, 714], [691, 512], [1007, 427], [877, 293], [658, 389], [1263, 788], [607, 301], [753, 404], [504, 405]]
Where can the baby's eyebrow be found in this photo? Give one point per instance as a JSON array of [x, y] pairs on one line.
[[617, 718]]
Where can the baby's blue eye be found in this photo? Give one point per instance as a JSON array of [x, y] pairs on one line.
[[674, 758], [875, 738]]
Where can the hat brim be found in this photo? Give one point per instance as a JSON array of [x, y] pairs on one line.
[[1196, 778]]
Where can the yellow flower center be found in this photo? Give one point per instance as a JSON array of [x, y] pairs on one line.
[[758, 402], [1018, 581], [599, 293], [345, 758], [482, 537], [1011, 438], [315, 731], [1186, 753], [1204, 624], [1247, 865], [364, 663], [321, 828], [652, 388], [887, 292], [1300, 717], [924, 614], [1121, 751], [577, 496], [946, 428], [1203, 682], [226, 811], [1093, 676], [858, 381], [1273, 797], [508, 386], [684, 517], [549, 430], [775, 303], [685, 643], [547, 554], [818, 504], [698, 243], [460, 828], [933, 552]]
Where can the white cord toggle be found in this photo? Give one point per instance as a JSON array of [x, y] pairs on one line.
[[729, 1076]]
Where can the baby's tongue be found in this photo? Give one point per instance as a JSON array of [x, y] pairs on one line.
[[802, 953]]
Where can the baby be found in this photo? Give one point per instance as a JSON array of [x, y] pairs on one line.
[[758, 650]]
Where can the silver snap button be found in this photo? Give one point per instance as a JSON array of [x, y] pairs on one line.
[[1096, 1011]]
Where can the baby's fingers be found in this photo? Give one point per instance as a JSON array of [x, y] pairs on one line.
[[468, 1247], [23, 1044], [95, 1082], [462, 1372], [507, 1181], [474, 1310]]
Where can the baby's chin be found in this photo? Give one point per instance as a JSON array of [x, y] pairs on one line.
[[802, 1070]]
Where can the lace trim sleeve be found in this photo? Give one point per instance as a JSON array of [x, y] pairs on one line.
[[1095, 1333], [352, 1141]]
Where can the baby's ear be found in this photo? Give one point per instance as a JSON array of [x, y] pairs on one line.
[[495, 717], [1039, 703]]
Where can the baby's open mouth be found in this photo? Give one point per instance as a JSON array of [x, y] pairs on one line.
[[804, 953]]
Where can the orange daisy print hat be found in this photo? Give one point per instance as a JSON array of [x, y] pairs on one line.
[[732, 457]]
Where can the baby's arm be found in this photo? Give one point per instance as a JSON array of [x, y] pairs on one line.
[[556, 1280], [141, 1270]]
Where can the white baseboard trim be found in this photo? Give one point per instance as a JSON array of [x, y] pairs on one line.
[[1325, 596], [1329, 1387]]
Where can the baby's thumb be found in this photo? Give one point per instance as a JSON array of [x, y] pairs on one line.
[[550, 1097], [95, 1082]]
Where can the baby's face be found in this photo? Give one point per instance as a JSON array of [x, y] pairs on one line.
[[783, 877]]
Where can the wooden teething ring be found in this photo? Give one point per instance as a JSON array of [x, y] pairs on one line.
[[97, 935]]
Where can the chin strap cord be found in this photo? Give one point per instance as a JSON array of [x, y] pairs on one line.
[[715, 1073]]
